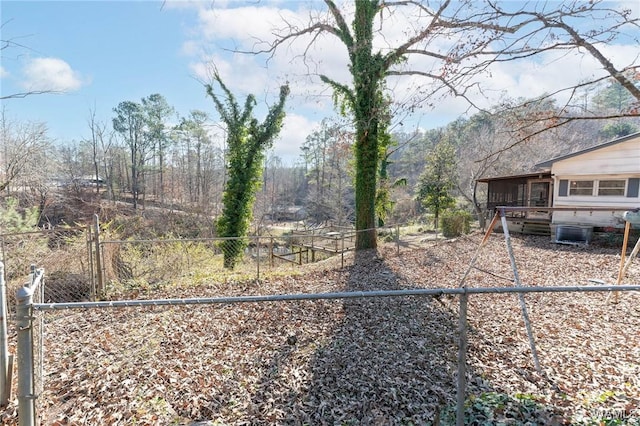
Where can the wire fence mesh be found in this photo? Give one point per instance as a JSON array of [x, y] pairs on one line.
[[291, 363], [39, 296], [62, 252], [320, 361], [141, 266], [78, 260], [386, 359]]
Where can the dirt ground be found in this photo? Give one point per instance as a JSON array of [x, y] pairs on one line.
[[382, 361]]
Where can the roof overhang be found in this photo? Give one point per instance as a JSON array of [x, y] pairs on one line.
[[549, 163], [539, 175]]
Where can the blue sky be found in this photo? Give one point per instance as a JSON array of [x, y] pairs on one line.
[[100, 53], [116, 51]]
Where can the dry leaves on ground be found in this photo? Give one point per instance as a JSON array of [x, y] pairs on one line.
[[384, 361]]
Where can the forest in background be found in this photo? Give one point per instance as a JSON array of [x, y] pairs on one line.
[[142, 159]]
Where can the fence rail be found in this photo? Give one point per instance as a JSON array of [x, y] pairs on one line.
[[30, 327], [5, 358], [26, 322], [332, 296], [157, 262]]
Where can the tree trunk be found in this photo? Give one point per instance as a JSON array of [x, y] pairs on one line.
[[476, 205], [367, 72], [134, 181]]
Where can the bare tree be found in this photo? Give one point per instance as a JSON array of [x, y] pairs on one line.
[[129, 122], [326, 153], [100, 142], [450, 44], [12, 43], [197, 152], [552, 26], [553, 29], [22, 143], [156, 111]]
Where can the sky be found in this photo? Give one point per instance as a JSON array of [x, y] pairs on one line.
[[96, 54]]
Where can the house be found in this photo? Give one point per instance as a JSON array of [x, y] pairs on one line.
[[526, 190], [582, 192]]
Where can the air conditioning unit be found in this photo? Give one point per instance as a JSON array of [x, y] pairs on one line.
[[632, 216], [573, 234]]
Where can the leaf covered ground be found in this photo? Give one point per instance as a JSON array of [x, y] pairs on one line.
[[385, 361]]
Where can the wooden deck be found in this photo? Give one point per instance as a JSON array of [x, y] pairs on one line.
[[331, 240]]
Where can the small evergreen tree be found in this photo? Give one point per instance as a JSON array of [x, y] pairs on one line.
[[247, 141], [438, 180], [12, 220]]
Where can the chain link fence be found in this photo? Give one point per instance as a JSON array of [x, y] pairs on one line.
[[63, 252], [82, 265], [279, 358], [138, 267], [265, 360], [87, 263]]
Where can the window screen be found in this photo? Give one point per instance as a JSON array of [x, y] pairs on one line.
[[581, 187], [611, 187]]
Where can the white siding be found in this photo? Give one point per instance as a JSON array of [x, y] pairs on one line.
[[596, 218], [619, 161], [622, 158]]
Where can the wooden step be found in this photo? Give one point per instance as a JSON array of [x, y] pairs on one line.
[[536, 228]]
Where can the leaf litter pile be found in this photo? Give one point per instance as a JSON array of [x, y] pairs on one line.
[[374, 361]]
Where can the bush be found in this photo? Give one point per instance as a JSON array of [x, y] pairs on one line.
[[455, 223]]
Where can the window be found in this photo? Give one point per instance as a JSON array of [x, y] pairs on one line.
[[600, 188], [581, 187], [611, 187]]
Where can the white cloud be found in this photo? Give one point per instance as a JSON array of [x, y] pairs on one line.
[[243, 24], [227, 25], [295, 130], [50, 74], [190, 48], [250, 28], [3, 73], [551, 72], [238, 73]]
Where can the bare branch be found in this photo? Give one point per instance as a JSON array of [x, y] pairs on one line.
[[30, 93], [343, 29], [608, 66], [280, 40], [446, 83], [555, 20]]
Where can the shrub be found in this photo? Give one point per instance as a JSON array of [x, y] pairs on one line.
[[13, 219], [455, 223]]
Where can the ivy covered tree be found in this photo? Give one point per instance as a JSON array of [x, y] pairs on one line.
[[247, 142], [384, 203], [438, 180], [449, 45]]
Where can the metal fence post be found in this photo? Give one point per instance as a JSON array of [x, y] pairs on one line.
[[5, 373], [94, 292], [462, 359], [26, 375], [523, 304], [257, 257], [99, 276]]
